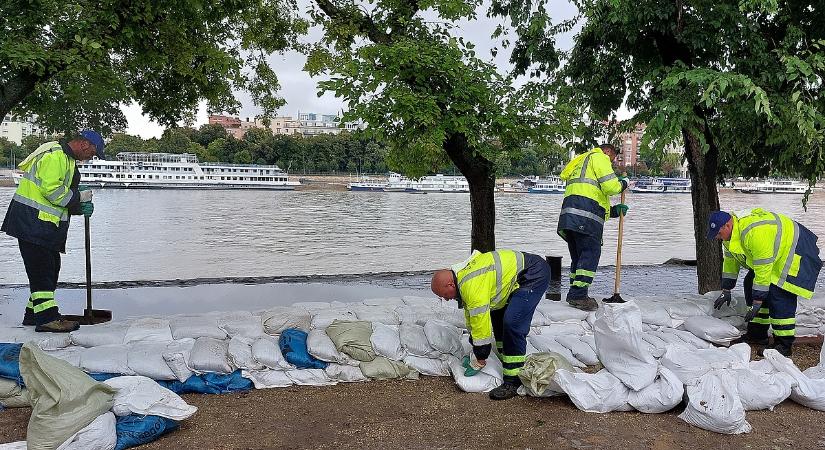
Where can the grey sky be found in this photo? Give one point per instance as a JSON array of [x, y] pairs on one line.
[[300, 90]]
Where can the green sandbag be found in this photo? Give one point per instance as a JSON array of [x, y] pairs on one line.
[[537, 374], [352, 338], [64, 399], [12, 395], [382, 368]]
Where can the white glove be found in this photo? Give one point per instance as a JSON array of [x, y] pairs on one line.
[[86, 196]]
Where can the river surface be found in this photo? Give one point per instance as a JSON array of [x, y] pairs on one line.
[[169, 234]]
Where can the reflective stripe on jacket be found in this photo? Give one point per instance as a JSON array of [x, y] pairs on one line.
[[485, 283], [778, 250], [590, 183]]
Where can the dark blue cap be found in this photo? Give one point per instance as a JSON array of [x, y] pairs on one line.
[[95, 138], [717, 220]]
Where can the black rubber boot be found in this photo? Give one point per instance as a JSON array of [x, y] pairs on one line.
[[757, 334], [506, 391], [28, 318]]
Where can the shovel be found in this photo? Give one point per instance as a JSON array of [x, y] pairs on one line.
[[617, 298], [90, 316]]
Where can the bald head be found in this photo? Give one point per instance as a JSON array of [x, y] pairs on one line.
[[443, 284]]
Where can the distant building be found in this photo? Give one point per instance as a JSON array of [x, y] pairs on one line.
[[629, 142], [306, 124], [15, 129]]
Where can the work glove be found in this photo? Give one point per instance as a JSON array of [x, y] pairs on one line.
[[85, 194], [471, 365], [87, 208], [625, 182], [619, 209], [724, 298], [753, 311]]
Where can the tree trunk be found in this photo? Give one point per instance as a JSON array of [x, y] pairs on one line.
[[705, 198], [14, 90], [480, 174]]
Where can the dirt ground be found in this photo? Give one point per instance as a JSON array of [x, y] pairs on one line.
[[432, 413]]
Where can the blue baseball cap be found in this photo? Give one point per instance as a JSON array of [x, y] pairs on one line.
[[717, 220], [95, 138]]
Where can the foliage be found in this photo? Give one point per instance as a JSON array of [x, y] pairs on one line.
[[73, 62]]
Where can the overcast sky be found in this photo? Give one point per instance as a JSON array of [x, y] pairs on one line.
[[300, 90]]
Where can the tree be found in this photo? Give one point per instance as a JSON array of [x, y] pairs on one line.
[[426, 94], [175, 140], [73, 62], [739, 84], [121, 142], [208, 133]]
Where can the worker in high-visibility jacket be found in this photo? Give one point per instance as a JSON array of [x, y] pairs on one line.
[[586, 206], [782, 260], [499, 292], [38, 216]]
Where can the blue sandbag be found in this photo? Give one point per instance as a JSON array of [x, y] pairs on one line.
[[209, 383], [10, 362], [293, 345], [134, 430], [100, 376]]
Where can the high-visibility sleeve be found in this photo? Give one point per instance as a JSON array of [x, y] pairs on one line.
[[51, 171], [760, 242], [603, 169], [730, 269]]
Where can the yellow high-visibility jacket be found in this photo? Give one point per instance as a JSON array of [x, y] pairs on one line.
[[590, 183]]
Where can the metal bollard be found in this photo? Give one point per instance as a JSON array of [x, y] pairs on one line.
[[554, 288]]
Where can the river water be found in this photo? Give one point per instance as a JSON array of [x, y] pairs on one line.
[[168, 234]]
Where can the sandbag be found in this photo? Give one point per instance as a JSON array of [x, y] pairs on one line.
[[176, 357], [381, 314], [618, 335], [346, 374], [657, 346], [434, 367], [64, 399], [210, 355], [312, 306], [293, 345], [600, 392], [320, 346], [106, 359], [352, 338], [691, 365], [537, 374], [146, 359], [10, 362], [712, 329], [443, 337], [580, 349], [109, 334], [267, 378], [69, 354], [267, 352], [690, 339], [489, 378], [563, 328], [138, 430], [759, 391], [415, 300], [244, 325], [664, 394], [148, 330], [12, 395], [46, 341], [548, 344], [310, 377], [385, 302], [415, 341], [818, 371], [194, 327], [209, 383], [806, 391], [560, 312], [278, 319], [382, 368], [419, 315], [240, 353], [143, 396], [714, 404], [386, 341], [324, 318], [98, 435]]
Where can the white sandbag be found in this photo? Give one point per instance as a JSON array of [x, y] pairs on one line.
[[145, 397], [738, 306], [382, 314], [670, 338], [452, 315], [443, 337], [657, 345], [544, 343], [590, 340], [177, 355], [386, 341], [324, 318], [539, 319], [345, 374], [312, 306], [806, 391], [490, 377], [681, 309], [420, 314], [267, 352], [413, 300], [386, 302], [194, 327], [415, 341], [691, 365], [46, 341], [712, 329], [763, 366], [434, 367], [69, 354], [818, 371], [98, 435], [560, 312], [146, 359], [689, 338], [210, 355], [310, 377], [248, 326], [19, 445], [759, 391], [600, 392], [664, 394], [109, 334], [148, 330], [714, 404], [321, 347], [562, 328], [106, 359], [654, 312], [580, 349], [267, 378], [240, 353], [276, 320], [618, 333], [735, 321]]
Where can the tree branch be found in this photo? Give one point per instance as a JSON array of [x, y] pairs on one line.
[[363, 22]]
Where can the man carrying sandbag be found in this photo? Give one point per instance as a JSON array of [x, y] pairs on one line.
[[783, 262], [499, 292]]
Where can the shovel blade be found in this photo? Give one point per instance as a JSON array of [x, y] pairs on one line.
[[616, 298], [91, 316]]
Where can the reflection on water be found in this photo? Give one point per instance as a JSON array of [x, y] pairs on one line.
[[148, 234]]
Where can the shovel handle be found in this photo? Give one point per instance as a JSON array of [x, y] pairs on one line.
[[619, 251], [88, 267]]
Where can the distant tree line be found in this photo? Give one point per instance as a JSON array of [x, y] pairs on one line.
[[326, 153]]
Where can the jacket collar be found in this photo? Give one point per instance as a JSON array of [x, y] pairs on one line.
[[734, 245], [67, 150]]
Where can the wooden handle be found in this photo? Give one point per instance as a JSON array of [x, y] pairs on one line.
[[88, 267], [619, 251]]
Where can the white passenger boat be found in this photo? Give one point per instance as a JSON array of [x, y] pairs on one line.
[[775, 187], [399, 183], [662, 186], [547, 185]]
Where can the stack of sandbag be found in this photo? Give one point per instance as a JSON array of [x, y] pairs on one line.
[[810, 316], [490, 376]]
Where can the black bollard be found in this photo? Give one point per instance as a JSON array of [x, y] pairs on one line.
[[554, 288]]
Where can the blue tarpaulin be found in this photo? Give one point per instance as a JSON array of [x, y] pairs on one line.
[[293, 345], [134, 430], [209, 383], [10, 362]]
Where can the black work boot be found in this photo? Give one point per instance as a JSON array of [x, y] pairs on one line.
[[59, 325], [506, 391], [757, 334], [783, 344], [28, 318], [585, 303]]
